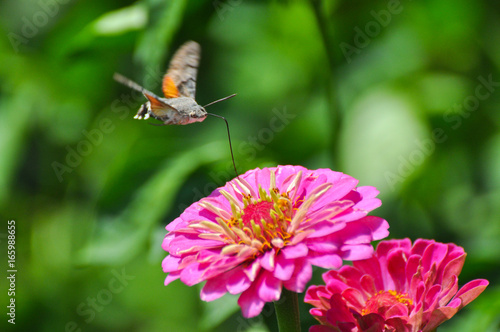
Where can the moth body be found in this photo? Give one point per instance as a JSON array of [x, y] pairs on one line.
[[181, 111], [179, 87]]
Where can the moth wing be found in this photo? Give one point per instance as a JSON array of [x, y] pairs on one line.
[[169, 88], [159, 108], [180, 79]]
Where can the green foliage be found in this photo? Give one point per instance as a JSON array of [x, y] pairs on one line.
[[404, 97]]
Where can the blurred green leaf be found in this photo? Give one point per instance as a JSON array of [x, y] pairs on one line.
[[155, 42], [14, 123], [121, 20], [119, 239], [390, 141], [218, 311]]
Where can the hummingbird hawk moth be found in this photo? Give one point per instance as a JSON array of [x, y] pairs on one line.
[[179, 106]]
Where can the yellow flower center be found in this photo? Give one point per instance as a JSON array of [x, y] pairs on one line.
[[384, 300], [264, 220], [261, 220]]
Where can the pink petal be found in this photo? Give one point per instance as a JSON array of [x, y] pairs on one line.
[[374, 321], [325, 228], [397, 310], [190, 243], [330, 175], [252, 270], [453, 268], [378, 227], [284, 268], [362, 231], [323, 247], [268, 287], [326, 261], [267, 260], [396, 266], [367, 283], [447, 293], [300, 277], [170, 263], [171, 277], [238, 282], [399, 324], [412, 268], [192, 274], [263, 178], [371, 267], [213, 289], [340, 188], [250, 303], [384, 247], [432, 297], [420, 246], [350, 276], [369, 204], [367, 191], [357, 252], [355, 298], [439, 316], [297, 251], [341, 312], [434, 254], [471, 290], [320, 328]]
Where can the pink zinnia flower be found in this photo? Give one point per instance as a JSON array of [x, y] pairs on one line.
[[401, 288], [266, 228]]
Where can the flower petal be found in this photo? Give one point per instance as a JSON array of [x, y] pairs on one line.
[[401, 288], [297, 251], [213, 289], [268, 287], [284, 268], [250, 303], [238, 282]]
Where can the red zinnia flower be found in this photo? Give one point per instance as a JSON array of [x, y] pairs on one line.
[[401, 288]]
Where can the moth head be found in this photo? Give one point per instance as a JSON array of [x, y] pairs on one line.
[[197, 114]]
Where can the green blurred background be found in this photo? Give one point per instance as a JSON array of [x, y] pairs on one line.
[[404, 96]]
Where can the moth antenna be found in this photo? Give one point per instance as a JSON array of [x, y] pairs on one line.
[[222, 99], [228, 134], [131, 84]]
